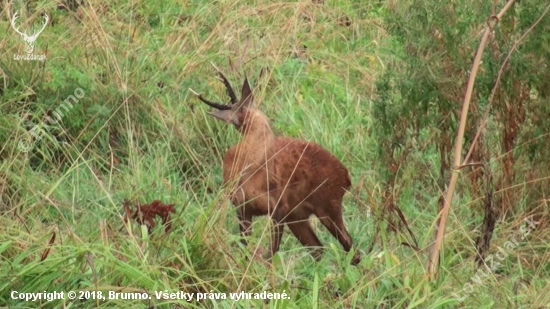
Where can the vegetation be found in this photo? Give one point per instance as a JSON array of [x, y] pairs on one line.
[[378, 83]]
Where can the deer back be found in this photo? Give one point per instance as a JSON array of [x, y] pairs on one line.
[[309, 172]]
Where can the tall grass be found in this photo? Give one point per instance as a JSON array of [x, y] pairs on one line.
[[139, 134]]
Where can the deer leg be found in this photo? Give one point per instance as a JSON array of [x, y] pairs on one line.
[[334, 222], [245, 222], [277, 217], [307, 237], [276, 236], [277, 214]]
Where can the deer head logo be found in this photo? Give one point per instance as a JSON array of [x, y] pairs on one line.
[[29, 39]]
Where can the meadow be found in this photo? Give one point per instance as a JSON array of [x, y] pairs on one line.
[[134, 133]]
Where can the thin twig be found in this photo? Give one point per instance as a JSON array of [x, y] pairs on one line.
[[497, 83], [458, 144]]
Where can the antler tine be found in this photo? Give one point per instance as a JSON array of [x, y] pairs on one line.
[[210, 103], [47, 18], [225, 81], [230, 91], [13, 18], [214, 104], [36, 34]]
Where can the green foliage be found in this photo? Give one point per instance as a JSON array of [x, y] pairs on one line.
[[429, 56], [376, 83]]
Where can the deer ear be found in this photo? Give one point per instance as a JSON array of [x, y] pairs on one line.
[[247, 98]]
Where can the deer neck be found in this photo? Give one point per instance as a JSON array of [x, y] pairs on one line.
[[258, 140]]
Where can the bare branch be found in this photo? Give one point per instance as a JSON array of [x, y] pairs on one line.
[[497, 83], [434, 256]]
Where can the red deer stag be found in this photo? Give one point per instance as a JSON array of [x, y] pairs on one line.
[[286, 178]]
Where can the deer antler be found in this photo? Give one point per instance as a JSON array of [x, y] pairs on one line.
[[225, 81], [29, 40], [35, 35], [230, 92], [15, 16], [25, 35], [210, 103]]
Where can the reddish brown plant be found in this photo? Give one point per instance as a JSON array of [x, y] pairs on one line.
[[145, 214]]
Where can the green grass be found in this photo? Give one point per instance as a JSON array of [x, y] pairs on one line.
[[139, 134]]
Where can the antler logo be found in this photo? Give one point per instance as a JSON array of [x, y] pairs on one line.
[[29, 39]]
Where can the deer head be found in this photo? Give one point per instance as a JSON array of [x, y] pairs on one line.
[[238, 111], [29, 39]]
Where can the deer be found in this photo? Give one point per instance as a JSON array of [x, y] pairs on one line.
[[288, 179]]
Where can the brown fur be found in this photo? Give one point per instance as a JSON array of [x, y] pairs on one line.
[[286, 178]]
